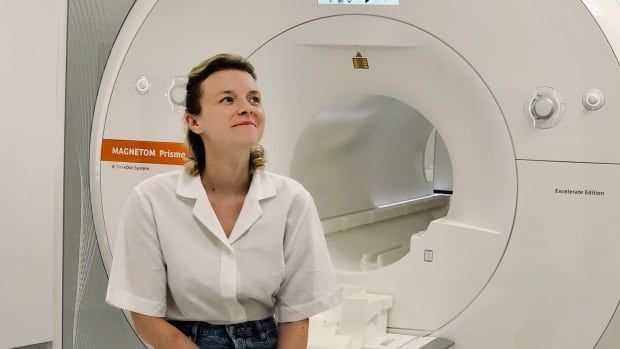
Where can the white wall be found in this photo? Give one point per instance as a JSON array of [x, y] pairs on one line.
[[31, 140]]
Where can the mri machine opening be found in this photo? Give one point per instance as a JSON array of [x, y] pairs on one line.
[[491, 247], [369, 162]]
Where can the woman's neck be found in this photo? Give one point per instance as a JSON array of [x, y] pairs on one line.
[[226, 172]]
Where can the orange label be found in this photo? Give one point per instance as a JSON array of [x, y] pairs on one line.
[[143, 152]]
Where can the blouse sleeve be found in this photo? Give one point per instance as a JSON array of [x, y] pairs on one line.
[[138, 275], [310, 285]]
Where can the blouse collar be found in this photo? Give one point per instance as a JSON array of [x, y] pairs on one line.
[[261, 187]]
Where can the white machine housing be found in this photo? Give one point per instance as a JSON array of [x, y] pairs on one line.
[[526, 255]]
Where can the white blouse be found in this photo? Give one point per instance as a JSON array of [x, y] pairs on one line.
[[172, 259]]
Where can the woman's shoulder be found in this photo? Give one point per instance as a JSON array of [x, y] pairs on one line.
[[160, 183], [286, 185]]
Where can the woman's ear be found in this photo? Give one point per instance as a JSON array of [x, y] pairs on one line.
[[192, 123]]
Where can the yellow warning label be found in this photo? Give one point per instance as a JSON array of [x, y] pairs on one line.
[[360, 62]]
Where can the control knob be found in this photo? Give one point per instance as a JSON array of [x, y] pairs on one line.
[[545, 108], [593, 99], [542, 108]]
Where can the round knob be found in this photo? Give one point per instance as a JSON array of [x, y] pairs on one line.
[[177, 95], [593, 99], [542, 107], [143, 86], [545, 107]]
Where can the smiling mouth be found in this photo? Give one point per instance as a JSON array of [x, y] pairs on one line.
[[245, 124]]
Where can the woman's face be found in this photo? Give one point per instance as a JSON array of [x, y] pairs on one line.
[[232, 113]]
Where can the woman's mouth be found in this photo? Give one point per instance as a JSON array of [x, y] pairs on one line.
[[245, 123]]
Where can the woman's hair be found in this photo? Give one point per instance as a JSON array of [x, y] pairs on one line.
[[195, 159]]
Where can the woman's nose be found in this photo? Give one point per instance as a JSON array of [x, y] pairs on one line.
[[244, 108]]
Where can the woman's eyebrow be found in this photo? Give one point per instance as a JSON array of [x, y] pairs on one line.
[[230, 92]]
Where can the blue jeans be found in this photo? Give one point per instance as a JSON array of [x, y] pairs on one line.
[[260, 334]]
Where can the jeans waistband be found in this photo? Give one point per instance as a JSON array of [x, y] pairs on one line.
[[258, 334], [187, 325]]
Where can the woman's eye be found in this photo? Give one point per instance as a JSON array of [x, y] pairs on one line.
[[254, 100], [227, 100]]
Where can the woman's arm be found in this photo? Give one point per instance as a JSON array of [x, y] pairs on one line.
[[160, 333], [293, 335]]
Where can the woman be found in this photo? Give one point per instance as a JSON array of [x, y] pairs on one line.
[[206, 257]]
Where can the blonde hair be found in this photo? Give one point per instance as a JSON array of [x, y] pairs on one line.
[[195, 159], [257, 160]]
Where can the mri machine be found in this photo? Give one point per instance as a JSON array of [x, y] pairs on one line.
[[463, 155]]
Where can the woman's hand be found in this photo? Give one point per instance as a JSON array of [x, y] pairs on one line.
[[160, 333], [293, 335]]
